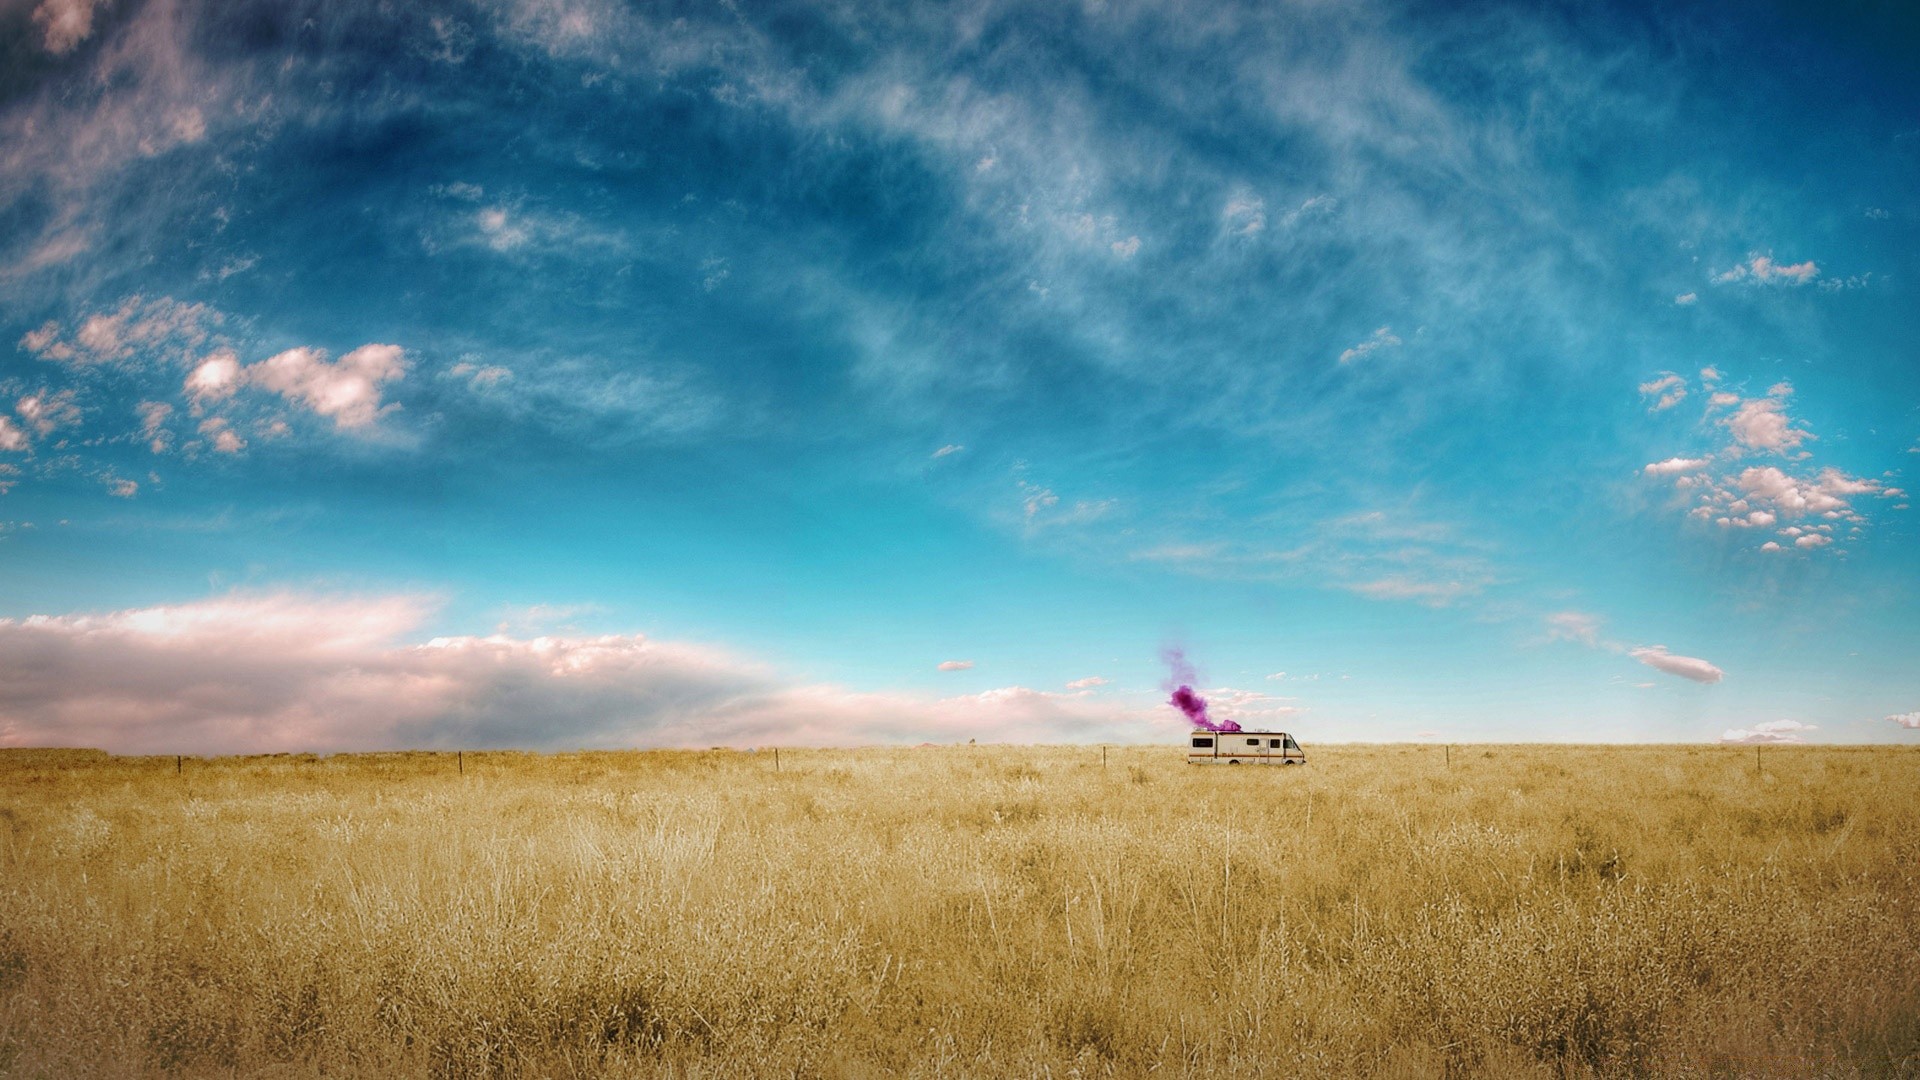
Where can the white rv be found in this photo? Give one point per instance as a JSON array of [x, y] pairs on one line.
[[1243, 748]]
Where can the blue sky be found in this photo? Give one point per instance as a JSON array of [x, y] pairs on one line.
[[560, 373]]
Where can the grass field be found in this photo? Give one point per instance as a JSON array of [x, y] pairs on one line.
[[962, 911]]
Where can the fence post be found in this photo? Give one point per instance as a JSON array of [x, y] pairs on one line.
[[460, 761], [776, 759], [179, 764], [1103, 757], [1449, 755]]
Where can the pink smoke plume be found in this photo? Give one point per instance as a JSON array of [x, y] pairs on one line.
[[1192, 704]]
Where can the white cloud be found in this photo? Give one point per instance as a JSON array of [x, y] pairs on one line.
[[1763, 496], [1574, 626], [1035, 498], [1686, 299], [1670, 389], [1383, 338], [955, 665], [950, 448], [153, 425], [225, 440], [1673, 466], [214, 378], [499, 229], [479, 376], [1126, 249], [348, 390], [121, 488], [1686, 667], [1245, 214], [11, 436], [285, 671], [65, 23], [1906, 720], [1087, 683], [1710, 375], [1812, 540], [1762, 270], [164, 326], [1763, 424], [46, 412], [1773, 731], [1318, 206], [1400, 587]]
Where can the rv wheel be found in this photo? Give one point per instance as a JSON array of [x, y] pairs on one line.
[[1233, 761]]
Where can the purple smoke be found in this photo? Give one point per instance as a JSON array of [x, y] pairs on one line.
[[1184, 699]]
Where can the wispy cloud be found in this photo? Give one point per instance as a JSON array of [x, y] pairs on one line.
[[1667, 391], [1383, 338], [1577, 626], [1381, 555], [955, 665]]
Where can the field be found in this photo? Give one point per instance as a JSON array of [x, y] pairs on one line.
[[964, 911]]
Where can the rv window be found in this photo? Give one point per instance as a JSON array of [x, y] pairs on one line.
[[1291, 745], [1273, 744], [1202, 744], [1253, 742]]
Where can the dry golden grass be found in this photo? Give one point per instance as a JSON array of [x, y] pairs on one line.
[[964, 911]]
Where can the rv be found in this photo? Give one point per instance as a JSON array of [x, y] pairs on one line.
[[1243, 747]]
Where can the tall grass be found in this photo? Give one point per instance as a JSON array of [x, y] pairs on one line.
[[963, 911]]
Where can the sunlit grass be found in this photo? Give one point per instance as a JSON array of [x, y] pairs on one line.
[[963, 911]]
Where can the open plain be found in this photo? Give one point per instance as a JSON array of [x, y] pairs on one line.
[[963, 911]]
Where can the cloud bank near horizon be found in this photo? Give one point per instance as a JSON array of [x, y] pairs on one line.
[[288, 671]]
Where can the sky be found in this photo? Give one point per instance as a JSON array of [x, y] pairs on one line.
[[573, 373]]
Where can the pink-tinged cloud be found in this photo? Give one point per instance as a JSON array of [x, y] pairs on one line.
[[291, 671], [1686, 667], [1763, 424], [1773, 731], [164, 326], [153, 425], [954, 665], [47, 412], [1674, 466], [215, 378], [1087, 683], [11, 436], [64, 23], [347, 390], [1762, 270], [1910, 720], [1670, 389]]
